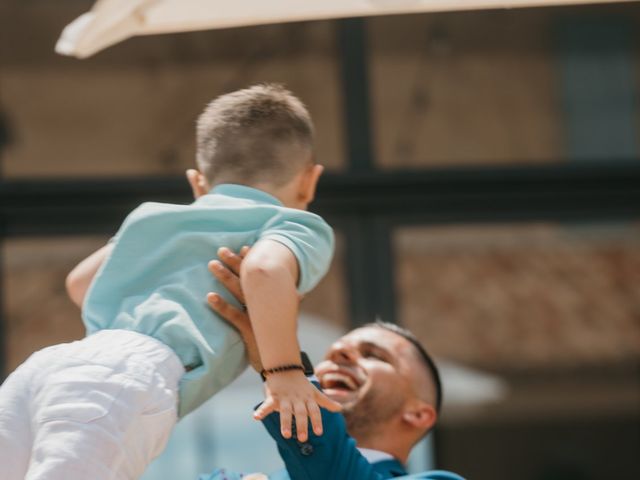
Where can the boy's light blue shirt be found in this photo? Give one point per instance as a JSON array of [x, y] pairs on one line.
[[156, 279]]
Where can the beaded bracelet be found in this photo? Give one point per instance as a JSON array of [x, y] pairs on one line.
[[281, 368]]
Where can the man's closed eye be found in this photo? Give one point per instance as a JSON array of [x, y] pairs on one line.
[[374, 353]]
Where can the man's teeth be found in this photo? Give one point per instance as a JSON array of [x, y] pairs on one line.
[[338, 380]]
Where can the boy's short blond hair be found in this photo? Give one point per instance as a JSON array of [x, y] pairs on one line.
[[259, 134]]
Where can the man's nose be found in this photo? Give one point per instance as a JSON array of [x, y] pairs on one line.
[[344, 354]]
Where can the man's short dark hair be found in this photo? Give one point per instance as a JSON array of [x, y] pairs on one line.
[[428, 362], [259, 134]]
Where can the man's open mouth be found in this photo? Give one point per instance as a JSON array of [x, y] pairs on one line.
[[340, 384]]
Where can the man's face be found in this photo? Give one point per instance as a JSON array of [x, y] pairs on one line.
[[369, 372]]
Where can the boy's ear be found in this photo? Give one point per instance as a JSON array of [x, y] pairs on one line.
[[199, 184], [309, 183]]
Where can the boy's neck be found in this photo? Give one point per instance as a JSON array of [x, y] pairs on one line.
[[287, 194], [296, 193]]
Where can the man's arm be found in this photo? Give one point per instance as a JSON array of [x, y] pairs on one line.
[[81, 276], [331, 455], [334, 454]]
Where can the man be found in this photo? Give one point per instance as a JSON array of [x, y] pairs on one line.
[[385, 381]]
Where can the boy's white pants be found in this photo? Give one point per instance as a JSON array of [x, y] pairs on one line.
[[96, 409]]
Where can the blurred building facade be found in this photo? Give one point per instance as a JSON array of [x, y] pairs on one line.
[[482, 178]]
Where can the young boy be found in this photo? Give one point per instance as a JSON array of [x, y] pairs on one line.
[[103, 407]]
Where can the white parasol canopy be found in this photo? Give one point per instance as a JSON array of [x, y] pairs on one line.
[[111, 21]]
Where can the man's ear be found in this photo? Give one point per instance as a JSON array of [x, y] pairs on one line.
[[309, 182], [420, 415], [198, 183]]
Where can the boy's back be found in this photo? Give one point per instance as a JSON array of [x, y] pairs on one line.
[[156, 278]]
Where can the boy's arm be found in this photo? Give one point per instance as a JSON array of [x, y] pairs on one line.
[[268, 276], [80, 277]]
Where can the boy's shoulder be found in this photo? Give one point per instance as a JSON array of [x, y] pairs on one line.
[[224, 211]]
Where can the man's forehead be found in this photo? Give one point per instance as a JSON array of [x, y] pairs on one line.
[[377, 336]]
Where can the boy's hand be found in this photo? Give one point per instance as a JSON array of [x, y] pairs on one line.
[[291, 394]]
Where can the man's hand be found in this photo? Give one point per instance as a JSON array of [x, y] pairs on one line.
[[293, 395], [290, 393], [227, 271]]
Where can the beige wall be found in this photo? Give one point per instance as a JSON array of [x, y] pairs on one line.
[[470, 88], [446, 89], [132, 110]]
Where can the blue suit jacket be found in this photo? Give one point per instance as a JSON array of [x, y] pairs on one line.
[[334, 456], [331, 456]]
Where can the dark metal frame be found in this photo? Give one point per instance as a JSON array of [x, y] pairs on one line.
[[491, 194]]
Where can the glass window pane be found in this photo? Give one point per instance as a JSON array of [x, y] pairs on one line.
[[519, 297], [537, 330]]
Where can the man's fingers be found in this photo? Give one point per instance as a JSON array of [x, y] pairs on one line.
[[239, 319], [315, 416], [230, 259], [302, 421], [236, 317], [326, 402], [227, 278], [243, 251]]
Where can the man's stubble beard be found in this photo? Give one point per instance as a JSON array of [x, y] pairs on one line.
[[370, 413]]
